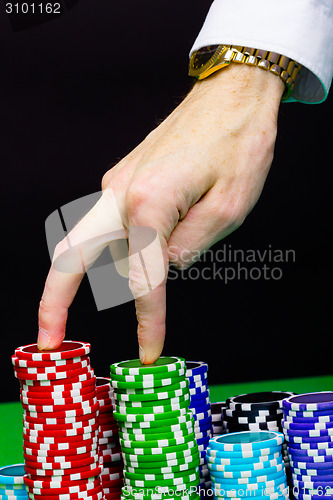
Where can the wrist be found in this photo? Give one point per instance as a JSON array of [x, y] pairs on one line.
[[240, 85]]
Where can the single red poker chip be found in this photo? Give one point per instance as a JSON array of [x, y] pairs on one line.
[[107, 433], [58, 401], [42, 495], [59, 386], [114, 456], [62, 432], [61, 466], [57, 446], [53, 383], [104, 390], [41, 483], [58, 394], [58, 439], [106, 454], [67, 474], [62, 410], [105, 402], [68, 349], [96, 496], [87, 488], [115, 476], [65, 414], [59, 421], [51, 376], [103, 383], [113, 429], [52, 369], [56, 427], [59, 458], [75, 488], [81, 450], [24, 363]]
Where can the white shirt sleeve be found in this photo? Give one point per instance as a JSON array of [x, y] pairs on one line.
[[299, 29]]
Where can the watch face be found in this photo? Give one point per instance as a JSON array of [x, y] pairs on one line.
[[201, 57]]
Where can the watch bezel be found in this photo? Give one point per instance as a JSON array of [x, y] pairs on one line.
[[215, 53]]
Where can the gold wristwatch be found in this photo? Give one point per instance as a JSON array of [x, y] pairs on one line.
[[207, 60]]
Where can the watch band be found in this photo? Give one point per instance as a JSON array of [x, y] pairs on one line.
[[222, 55]]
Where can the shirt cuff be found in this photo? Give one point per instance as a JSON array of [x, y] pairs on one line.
[[298, 29]]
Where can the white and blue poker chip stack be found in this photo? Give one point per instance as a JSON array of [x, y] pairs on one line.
[[257, 411], [196, 373], [247, 464], [12, 483], [308, 430]]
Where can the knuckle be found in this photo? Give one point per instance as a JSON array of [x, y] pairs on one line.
[[231, 215], [137, 196], [105, 180]]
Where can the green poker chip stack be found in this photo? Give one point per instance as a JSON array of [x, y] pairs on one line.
[[156, 430]]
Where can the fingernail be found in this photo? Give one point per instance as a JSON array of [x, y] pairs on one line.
[[43, 339], [142, 354]]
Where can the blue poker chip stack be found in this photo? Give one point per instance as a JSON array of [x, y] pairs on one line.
[[308, 430], [196, 373], [247, 464], [11, 482]]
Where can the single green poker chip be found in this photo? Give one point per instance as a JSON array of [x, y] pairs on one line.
[[160, 450], [155, 436], [179, 456], [160, 443], [143, 433], [172, 481], [158, 408], [160, 477], [153, 394], [149, 417], [154, 402], [164, 364], [166, 469], [152, 424], [149, 376], [147, 384], [160, 464]]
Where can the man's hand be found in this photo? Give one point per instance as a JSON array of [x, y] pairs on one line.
[[193, 179]]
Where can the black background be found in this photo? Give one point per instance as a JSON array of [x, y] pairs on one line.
[[77, 94]]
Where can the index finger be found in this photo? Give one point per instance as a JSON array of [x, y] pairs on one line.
[[72, 257]]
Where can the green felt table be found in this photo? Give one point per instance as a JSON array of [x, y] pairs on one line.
[[11, 413]]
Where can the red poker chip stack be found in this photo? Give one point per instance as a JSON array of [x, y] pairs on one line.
[[108, 442], [60, 422]]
